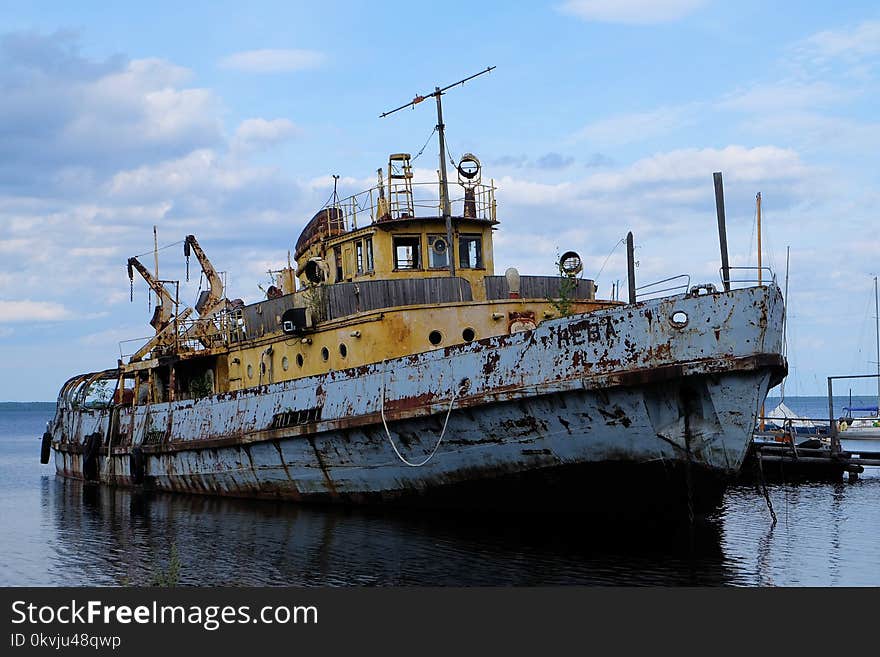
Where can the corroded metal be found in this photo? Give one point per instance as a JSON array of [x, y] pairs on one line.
[[625, 384]]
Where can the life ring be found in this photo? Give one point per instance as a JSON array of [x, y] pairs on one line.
[[46, 448], [90, 456], [136, 465]]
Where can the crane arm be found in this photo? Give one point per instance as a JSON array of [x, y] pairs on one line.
[[215, 291], [166, 301]]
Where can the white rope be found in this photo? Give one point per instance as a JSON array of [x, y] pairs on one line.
[[388, 433]]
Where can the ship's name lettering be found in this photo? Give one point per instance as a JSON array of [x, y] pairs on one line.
[[597, 331]]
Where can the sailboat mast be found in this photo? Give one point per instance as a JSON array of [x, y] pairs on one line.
[[877, 332], [785, 319]]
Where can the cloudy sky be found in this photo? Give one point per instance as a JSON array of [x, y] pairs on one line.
[[228, 119]]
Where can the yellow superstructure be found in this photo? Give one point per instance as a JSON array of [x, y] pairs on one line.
[[365, 293]]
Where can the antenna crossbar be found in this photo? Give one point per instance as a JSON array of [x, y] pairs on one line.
[[419, 98]]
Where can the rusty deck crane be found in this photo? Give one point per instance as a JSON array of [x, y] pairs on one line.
[[211, 300], [162, 315]]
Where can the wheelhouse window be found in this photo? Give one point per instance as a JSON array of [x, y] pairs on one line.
[[337, 256], [364, 255], [368, 249], [470, 252], [407, 252], [438, 252]]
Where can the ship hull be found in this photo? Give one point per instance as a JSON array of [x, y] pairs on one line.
[[620, 409]]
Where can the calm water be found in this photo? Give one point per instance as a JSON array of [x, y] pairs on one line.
[[59, 532]]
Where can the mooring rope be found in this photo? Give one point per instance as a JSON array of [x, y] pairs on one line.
[[388, 433], [763, 484]]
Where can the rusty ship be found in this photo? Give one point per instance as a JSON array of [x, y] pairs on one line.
[[390, 364]]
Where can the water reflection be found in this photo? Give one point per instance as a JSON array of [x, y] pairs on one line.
[[111, 536]]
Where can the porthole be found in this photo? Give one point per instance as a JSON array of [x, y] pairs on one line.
[[343, 350], [285, 364], [679, 319], [435, 337], [325, 353], [299, 360], [468, 334], [250, 371]]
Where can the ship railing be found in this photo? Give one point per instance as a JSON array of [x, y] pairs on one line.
[[129, 347], [223, 327], [673, 284], [408, 200], [749, 276], [194, 335]]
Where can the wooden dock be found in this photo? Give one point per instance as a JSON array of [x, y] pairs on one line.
[[815, 460]]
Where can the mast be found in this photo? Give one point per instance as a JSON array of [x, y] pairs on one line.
[[785, 320], [441, 136], [877, 333], [758, 205], [444, 183]]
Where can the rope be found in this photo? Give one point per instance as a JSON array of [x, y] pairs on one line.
[[608, 257], [388, 433], [161, 248], [763, 485], [425, 146]]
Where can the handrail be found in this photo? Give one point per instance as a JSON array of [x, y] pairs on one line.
[[683, 287], [758, 279], [384, 203]]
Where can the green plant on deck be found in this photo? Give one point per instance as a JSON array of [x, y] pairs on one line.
[[564, 302], [169, 575], [202, 386], [316, 302]]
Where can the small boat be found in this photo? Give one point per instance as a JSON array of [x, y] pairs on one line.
[[782, 425], [864, 427], [859, 427]]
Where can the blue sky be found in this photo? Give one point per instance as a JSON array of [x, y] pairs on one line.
[[227, 119]]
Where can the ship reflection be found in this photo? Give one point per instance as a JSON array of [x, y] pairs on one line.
[[107, 536]]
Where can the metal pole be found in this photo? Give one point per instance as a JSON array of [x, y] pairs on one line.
[[877, 330], [722, 230], [631, 267], [444, 184], [156, 258], [832, 423], [758, 204], [785, 319]]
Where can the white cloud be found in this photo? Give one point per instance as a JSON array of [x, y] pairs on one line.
[[856, 43], [67, 121], [637, 126], [633, 12], [273, 60], [31, 311], [256, 134], [786, 96]]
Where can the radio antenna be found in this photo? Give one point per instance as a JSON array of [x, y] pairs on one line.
[[444, 183]]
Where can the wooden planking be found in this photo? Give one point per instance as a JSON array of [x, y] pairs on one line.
[[350, 298], [262, 317], [538, 287]]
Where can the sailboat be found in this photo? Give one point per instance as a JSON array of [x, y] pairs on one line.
[[865, 427], [782, 424]]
